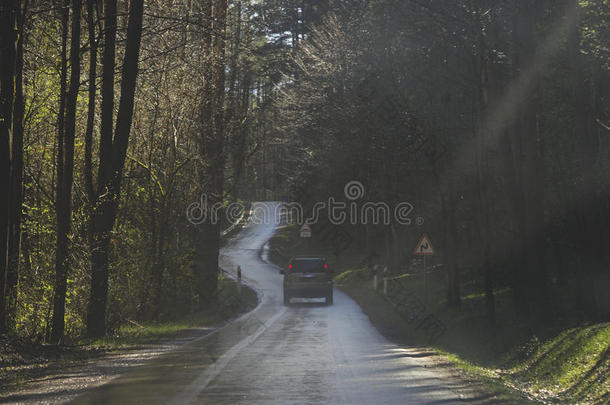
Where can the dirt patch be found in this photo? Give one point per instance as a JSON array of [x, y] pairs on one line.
[[58, 374]]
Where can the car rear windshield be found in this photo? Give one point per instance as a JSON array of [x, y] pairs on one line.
[[307, 266]]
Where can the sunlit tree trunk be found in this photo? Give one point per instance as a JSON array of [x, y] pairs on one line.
[[64, 181], [100, 238], [92, 92], [61, 246], [14, 243]]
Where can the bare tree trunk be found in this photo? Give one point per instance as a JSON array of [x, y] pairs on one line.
[[481, 111], [216, 151], [159, 258], [99, 243], [448, 212], [64, 185], [212, 145], [533, 272], [586, 194], [61, 115], [156, 215], [205, 133], [233, 116], [61, 252], [111, 168], [14, 243], [450, 249], [88, 166], [235, 49], [239, 138], [8, 54]]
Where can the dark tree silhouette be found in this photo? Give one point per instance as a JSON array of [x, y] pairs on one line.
[[65, 176], [113, 151]]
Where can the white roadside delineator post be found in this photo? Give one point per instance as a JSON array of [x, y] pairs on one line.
[[385, 280], [375, 277]]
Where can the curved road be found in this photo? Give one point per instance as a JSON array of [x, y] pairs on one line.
[[305, 353]]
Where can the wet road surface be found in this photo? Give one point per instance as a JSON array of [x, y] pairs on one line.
[[306, 353]]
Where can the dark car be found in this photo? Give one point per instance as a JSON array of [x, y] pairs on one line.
[[308, 277]]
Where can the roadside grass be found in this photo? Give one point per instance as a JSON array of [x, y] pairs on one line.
[[560, 365], [21, 360], [229, 304], [573, 366]]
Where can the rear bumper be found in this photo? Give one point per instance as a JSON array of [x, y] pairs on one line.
[[309, 290]]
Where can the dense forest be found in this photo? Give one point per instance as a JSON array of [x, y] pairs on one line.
[[491, 118]]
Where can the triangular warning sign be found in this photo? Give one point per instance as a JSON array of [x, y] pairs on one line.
[[305, 231], [424, 247]]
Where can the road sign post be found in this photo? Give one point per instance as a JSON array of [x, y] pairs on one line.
[[424, 248], [385, 280], [425, 285]]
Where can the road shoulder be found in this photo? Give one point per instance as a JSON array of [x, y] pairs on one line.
[[31, 373]]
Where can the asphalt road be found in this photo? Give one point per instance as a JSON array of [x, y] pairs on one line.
[[305, 353]]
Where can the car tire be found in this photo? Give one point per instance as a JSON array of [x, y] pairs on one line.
[[286, 299]]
